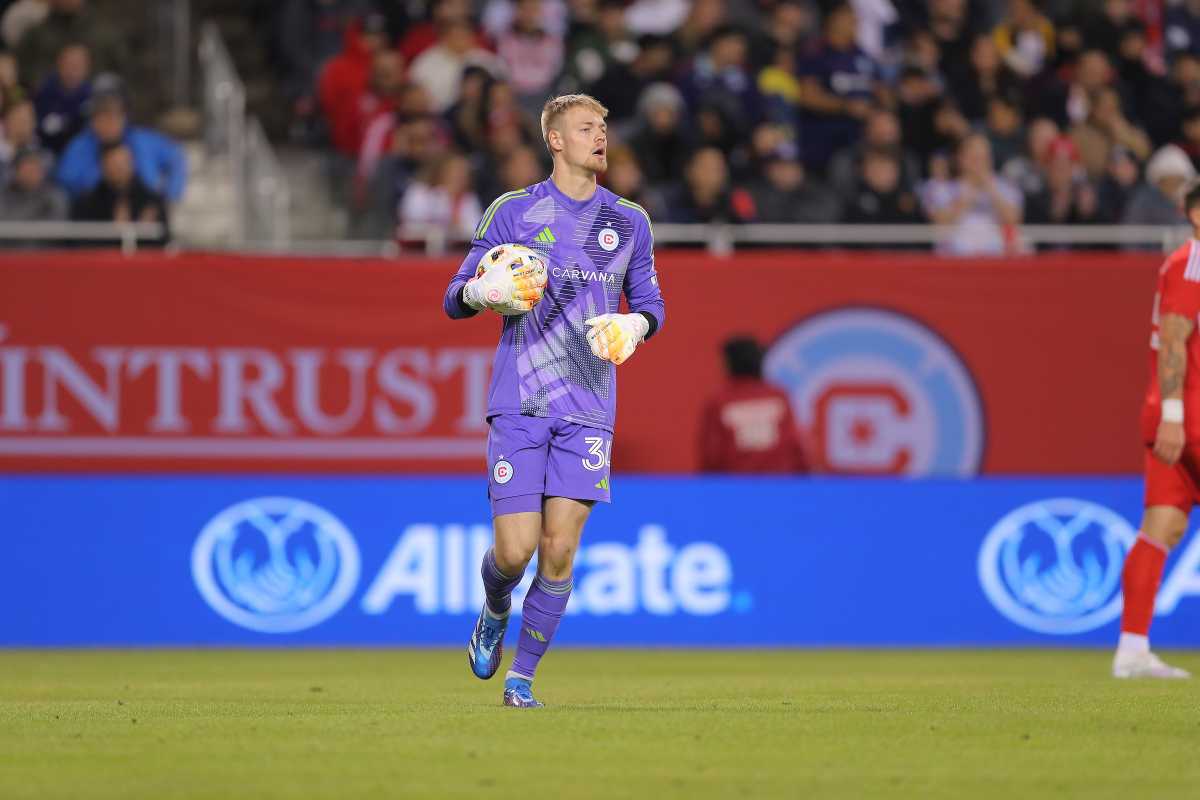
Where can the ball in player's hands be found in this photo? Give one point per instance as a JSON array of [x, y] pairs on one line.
[[511, 278]]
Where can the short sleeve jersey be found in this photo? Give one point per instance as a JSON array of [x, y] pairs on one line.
[[596, 251], [1178, 293]]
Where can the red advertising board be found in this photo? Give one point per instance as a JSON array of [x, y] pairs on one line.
[[904, 363]]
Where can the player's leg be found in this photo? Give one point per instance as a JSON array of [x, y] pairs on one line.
[[562, 527], [1169, 496], [517, 454]]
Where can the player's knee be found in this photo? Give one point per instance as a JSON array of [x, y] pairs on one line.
[[512, 557], [556, 556]]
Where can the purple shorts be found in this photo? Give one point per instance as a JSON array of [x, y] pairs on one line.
[[535, 457]]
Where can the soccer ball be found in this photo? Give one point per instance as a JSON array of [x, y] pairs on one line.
[[515, 257]]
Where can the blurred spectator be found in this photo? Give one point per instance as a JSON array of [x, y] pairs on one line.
[[623, 85], [604, 45], [1068, 197], [70, 22], [60, 100], [786, 194], [1105, 128], [1189, 139], [1118, 184], [1158, 201], [792, 23], [954, 29], [1025, 39], [423, 35], [120, 195], [624, 177], [1181, 33], [413, 143], [468, 118], [441, 197], [1103, 30], [705, 195], [1026, 170], [28, 196], [440, 67], [378, 99], [980, 207], [499, 16], [158, 162], [345, 78], [719, 79], [411, 103], [533, 55], [919, 99], [880, 198], [703, 20], [10, 83], [1093, 73], [747, 426], [522, 168], [874, 18], [1152, 99], [663, 143], [837, 89], [986, 78], [1003, 129], [20, 17], [19, 132], [882, 131]]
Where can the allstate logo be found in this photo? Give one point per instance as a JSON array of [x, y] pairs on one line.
[[1054, 566], [881, 393], [275, 564]]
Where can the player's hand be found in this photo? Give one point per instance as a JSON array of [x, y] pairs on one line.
[[1168, 445], [614, 337], [506, 291]]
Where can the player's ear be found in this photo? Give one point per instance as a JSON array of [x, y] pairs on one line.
[[554, 140]]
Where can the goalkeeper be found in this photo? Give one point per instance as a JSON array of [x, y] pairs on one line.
[[552, 400]]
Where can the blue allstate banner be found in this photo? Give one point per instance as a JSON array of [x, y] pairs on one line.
[[394, 561]]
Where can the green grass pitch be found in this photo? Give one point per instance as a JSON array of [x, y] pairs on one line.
[[639, 724]]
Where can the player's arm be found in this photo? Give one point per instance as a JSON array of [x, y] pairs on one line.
[[1173, 333], [467, 294], [614, 337]]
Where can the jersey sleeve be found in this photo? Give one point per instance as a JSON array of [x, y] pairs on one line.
[[1181, 290], [641, 278], [495, 227]]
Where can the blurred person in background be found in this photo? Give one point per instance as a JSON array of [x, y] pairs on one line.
[[28, 196], [785, 193], [1092, 74], [980, 208], [791, 26], [599, 46], [120, 195], [1025, 39], [1068, 197], [1181, 29], [468, 118], [1152, 99], [415, 142], [1189, 135], [1120, 180], [704, 18], [988, 76], [307, 34], [61, 99], [439, 68], [1027, 169], [410, 103], [344, 79], [70, 22], [521, 168], [20, 17], [497, 17], [880, 196], [661, 17], [954, 25], [1004, 129], [1104, 30], [441, 197], [533, 55], [1105, 128], [838, 87], [882, 130], [420, 36], [624, 177], [663, 140], [748, 426], [623, 85], [705, 194], [19, 131], [158, 161], [10, 79], [1157, 201], [719, 77]]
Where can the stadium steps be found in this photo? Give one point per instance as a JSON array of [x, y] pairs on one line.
[[315, 215], [204, 216]]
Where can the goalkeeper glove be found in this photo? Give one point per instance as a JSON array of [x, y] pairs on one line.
[[506, 291], [614, 337]]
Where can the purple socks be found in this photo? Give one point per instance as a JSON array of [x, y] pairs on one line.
[[543, 609], [497, 586]]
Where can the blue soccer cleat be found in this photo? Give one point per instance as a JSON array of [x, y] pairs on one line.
[[486, 648], [518, 693]]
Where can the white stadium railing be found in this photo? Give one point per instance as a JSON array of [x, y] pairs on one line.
[[126, 234]]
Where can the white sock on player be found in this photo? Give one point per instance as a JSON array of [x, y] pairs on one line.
[[1133, 643]]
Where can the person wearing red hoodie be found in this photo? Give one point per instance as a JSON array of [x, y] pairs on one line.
[[345, 78], [748, 425]]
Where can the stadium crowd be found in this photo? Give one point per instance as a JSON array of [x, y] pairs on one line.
[[978, 114], [67, 147]]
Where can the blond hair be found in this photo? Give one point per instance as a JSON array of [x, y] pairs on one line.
[[557, 106]]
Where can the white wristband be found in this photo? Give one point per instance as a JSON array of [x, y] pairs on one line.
[[1172, 410]]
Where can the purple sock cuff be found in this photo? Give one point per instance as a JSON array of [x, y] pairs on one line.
[[554, 587]]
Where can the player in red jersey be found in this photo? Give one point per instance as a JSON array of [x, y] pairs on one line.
[[1171, 430]]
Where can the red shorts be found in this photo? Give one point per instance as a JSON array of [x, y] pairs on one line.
[[1175, 484]]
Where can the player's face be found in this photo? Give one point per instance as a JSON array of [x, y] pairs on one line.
[[585, 139]]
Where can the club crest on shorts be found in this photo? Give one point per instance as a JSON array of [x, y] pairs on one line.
[[502, 473], [608, 239]]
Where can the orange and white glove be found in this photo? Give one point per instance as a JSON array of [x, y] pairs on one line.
[[505, 290], [614, 337]]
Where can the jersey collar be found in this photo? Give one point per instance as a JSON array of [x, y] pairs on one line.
[[572, 205]]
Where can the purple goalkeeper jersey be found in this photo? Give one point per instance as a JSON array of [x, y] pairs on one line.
[[595, 249]]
